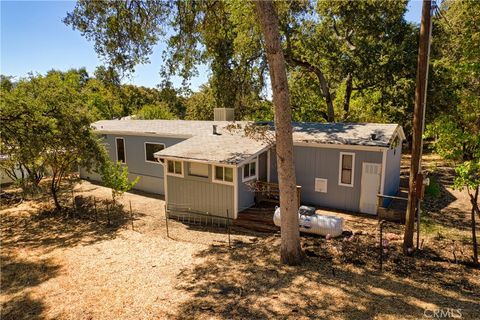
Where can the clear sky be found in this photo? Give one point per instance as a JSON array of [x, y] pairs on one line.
[[34, 39]]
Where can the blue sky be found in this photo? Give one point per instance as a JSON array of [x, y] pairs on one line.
[[34, 39]]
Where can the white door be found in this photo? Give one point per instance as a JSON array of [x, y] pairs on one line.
[[370, 187]]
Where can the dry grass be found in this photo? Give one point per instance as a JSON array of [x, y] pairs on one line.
[[58, 268]]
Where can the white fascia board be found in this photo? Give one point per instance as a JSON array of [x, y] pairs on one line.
[[340, 146], [229, 165], [144, 134]]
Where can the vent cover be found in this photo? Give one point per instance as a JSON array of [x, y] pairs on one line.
[[321, 185]]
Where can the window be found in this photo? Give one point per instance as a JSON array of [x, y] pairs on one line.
[[175, 168], [347, 167], [198, 169], [120, 144], [223, 174], [249, 171], [150, 149]]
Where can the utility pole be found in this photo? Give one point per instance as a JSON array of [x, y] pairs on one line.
[[418, 124]]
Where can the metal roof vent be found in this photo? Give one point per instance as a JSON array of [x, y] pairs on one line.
[[214, 130]]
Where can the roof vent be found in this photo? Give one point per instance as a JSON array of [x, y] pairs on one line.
[[215, 132], [223, 114], [373, 136]]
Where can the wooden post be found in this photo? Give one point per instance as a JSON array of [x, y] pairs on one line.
[[299, 194], [418, 122], [131, 213]]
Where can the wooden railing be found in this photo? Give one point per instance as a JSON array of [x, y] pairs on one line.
[[270, 192]]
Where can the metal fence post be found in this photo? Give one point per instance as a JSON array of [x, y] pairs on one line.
[[228, 228], [131, 213], [166, 218]]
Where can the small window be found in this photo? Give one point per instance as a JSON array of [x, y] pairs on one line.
[[250, 171], [223, 174], [198, 169], [174, 167], [347, 166], [150, 149], [120, 144]]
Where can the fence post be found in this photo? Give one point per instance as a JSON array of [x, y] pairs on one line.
[[95, 206], [131, 213], [166, 219], [108, 213], [74, 205], [381, 245], [228, 228]]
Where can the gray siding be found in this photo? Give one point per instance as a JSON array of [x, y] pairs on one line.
[[246, 197], [392, 171], [313, 162], [262, 166], [273, 166], [150, 174], [200, 194]]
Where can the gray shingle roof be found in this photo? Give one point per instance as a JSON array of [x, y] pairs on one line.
[[234, 147], [225, 148], [346, 133], [181, 128]]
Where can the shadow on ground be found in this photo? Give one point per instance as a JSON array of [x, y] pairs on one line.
[[249, 282], [49, 229], [18, 275]]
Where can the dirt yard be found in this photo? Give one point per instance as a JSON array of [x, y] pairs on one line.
[[55, 267]]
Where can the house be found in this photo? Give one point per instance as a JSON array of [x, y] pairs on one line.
[[203, 167]]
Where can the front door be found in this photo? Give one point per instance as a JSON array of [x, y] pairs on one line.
[[370, 187]]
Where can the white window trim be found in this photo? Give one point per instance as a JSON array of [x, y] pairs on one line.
[[145, 151], [249, 178], [124, 150], [340, 169], [223, 181], [176, 174]]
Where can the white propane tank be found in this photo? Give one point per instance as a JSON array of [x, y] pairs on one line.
[[316, 224]]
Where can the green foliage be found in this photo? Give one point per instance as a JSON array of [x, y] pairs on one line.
[[155, 111], [115, 176], [46, 127], [456, 69], [468, 175]]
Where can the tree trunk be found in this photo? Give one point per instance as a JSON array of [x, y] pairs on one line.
[[474, 200], [348, 94], [418, 124], [53, 190], [290, 251], [326, 93]]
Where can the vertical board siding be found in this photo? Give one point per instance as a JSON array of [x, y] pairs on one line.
[[246, 197], [262, 167], [197, 195], [315, 162], [392, 171], [273, 166]]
